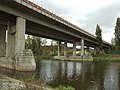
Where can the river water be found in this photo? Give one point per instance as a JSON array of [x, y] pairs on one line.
[[80, 75]]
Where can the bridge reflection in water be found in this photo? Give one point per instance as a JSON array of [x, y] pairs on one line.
[[81, 75]]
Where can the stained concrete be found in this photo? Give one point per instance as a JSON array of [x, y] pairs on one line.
[[75, 58], [2, 40], [20, 34], [22, 61]]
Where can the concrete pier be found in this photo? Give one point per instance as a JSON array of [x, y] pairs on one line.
[[15, 37], [13, 54], [2, 41], [20, 34], [65, 48], [59, 44], [82, 47], [75, 58], [74, 49], [84, 55]]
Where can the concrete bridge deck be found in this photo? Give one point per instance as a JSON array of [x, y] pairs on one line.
[[42, 22]]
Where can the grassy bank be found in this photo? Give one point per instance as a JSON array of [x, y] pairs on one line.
[[37, 85], [44, 57], [107, 57]]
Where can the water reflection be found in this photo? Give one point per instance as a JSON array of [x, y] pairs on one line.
[[111, 78], [47, 71], [81, 75], [17, 74]]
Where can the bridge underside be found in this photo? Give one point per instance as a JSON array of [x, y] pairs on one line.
[[9, 24]]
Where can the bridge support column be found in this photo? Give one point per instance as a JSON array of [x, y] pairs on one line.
[[74, 48], [87, 50], [82, 47], [65, 48], [2, 41], [10, 47], [17, 57], [59, 44], [20, 34], [16, 37]]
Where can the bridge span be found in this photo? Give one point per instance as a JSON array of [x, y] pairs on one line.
[[20, 17]]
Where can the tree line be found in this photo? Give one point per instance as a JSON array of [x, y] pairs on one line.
[[116, 40], [39, 46]]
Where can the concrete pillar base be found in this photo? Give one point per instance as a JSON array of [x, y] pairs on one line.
[[22, 61], [75, 58]]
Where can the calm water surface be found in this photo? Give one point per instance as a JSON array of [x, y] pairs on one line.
[[80, 75]]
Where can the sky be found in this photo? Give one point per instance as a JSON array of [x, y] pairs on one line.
[[87, 14]]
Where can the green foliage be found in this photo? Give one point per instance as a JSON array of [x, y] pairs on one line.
[[117, 35], [98, 32], [35, 43], [113, 47], [99, 36], [44, 57], [65, 88], [39, 47], [107, 57]]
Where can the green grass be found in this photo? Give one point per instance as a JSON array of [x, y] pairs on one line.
[[65, 88], [44, 57], [107, 57]]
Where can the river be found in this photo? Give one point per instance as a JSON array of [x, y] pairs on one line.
[[80, 75]]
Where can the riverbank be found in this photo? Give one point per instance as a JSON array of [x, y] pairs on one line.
[[107, 57], [66, 58], [44, 57], [99, 57], [7, 83]]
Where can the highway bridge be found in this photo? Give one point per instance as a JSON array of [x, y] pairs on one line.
[[20, 17]]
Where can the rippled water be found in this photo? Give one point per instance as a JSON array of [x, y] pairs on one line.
[[80, 75]]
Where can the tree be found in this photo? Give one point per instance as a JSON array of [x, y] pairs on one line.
[[28, 42], [117, 35], [99, 36], [36, 44], [40, 42]]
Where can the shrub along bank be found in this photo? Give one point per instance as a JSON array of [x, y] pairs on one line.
[[44, 57], [106, 57]]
